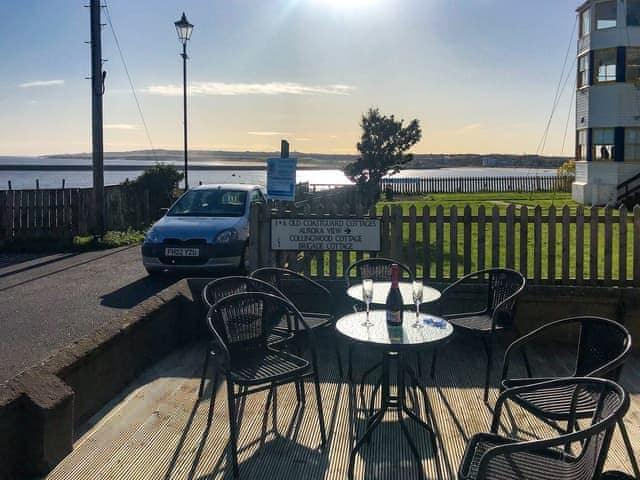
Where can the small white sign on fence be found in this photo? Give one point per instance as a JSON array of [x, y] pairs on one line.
[[325, 234]]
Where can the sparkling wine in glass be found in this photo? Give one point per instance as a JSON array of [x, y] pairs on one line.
[[367, 296], [418, 289]]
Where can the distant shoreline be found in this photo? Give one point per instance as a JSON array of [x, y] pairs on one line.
[[126, 168]]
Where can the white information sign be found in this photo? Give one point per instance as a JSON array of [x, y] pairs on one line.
[[325, 234], [281, 179]]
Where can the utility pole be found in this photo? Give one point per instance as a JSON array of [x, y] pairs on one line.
[[97, 91]]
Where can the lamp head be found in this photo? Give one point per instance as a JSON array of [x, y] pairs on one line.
[[184, 28]]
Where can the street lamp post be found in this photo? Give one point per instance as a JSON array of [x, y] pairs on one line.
[[184, 29]]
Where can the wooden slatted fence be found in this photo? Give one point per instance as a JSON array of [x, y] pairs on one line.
[[64, 213], [568, 246]]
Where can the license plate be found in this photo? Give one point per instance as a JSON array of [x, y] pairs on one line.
[[181, 252]]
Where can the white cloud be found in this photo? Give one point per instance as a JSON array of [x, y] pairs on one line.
[[41, 83], [271, 88], [268, 134], [121, 126], [471, 127]]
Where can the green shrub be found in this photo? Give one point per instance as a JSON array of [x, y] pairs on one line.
[[161, 181]]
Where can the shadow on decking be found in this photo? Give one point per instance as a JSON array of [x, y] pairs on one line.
[[157, 429]]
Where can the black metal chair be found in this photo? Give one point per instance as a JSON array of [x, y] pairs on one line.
[[490, 456], [312, 299], [503, 287], [602, 348], [240, 326], [220, 288], [377, 269]]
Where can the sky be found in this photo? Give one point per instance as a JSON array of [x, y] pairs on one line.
[[479, 75]]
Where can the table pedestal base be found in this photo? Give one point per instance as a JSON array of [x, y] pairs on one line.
[[398, 403]]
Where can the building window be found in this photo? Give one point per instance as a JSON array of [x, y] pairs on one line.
[[633, 64], [583, 70], [633, 13], [632, 144], [606, 15], [603, 144], [585, 22], [605, 61], [581, 147]]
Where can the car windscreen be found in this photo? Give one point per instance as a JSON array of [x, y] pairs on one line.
[[210, 203]]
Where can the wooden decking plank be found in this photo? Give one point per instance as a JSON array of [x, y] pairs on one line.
[[155, 429]]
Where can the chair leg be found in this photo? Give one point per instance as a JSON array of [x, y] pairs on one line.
[[419, 364], [488, 348], [434, 357], [323, 433], [350, 363], [629, 447], [214, 391], [525, 357], [204, 372], [233, 435]]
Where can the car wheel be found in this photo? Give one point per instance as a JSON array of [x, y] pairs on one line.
[[244, 266]]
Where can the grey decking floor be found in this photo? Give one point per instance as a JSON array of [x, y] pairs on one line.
[[156, 430]]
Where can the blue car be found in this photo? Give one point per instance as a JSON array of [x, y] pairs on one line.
[[205, 229]]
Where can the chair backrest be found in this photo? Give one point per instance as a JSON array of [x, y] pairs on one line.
[[504, 284], [602, 348], [244, 321], [306, 294], [220, 288], [612, 403], [377, 269], [527, 459]]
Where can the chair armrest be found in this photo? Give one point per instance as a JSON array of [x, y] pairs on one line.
[[472, 444], [523, 340], [529, 453], [512, 393], [219, 345]]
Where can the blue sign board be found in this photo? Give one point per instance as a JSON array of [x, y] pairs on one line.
[[281, 179]]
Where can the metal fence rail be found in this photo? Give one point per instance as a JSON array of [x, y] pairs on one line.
[[410, 186]]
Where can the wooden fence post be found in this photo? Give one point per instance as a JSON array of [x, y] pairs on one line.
[[254, 235], [396, 236]]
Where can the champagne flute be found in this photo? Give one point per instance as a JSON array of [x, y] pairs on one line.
[[367, 296], [418, 288]]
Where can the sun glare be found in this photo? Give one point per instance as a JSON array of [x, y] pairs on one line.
[[346, 4]]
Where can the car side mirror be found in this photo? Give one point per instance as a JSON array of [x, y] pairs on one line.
[[164, 209]]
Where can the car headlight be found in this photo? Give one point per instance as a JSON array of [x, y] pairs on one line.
[[151, 237], [226, 236]]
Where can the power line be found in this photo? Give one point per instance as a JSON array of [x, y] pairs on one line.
[[133, 90], [566, 126], [558, 93], [553, 111]]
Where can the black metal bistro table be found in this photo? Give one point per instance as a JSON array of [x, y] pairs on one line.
[[394, 342], [381, 289]]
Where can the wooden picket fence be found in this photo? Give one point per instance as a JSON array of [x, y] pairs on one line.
[[567, 246], [416, 186], [64, 213]]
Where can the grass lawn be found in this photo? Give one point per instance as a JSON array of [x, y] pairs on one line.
[[488, 200], [441, 251]]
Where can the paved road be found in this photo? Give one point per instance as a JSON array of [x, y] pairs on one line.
[[50, 301]]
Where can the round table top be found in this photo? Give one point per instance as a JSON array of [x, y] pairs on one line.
[[400, 337], [381, 289]]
